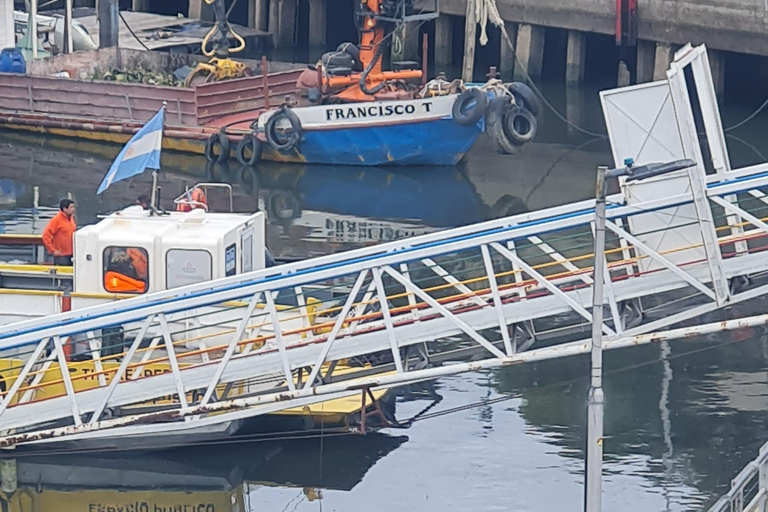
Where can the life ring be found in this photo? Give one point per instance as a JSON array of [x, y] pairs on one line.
[[495, 125], [470, 106], [525, 97], [519, 125], [248, 143], [286, 143], [221, 140]]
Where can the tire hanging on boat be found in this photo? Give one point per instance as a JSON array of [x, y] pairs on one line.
[[220, 140], [470, 106], [271, 130], [525, 97], [519, 125], [248, 143], [494, 122]]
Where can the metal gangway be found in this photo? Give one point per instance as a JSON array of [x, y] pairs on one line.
[[499, 293]]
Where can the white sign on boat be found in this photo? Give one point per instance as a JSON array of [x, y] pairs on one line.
[[370, 113]]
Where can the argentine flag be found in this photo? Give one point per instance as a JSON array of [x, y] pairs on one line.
[[142, 151]]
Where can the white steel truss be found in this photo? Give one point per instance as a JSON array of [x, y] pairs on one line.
[[329, 327]]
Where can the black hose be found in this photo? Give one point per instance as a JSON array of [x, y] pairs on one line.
[[367, 71]]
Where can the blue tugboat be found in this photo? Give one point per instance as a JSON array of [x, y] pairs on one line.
[[348, 111]]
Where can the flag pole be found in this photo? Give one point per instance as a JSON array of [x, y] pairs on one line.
[[153, 201]]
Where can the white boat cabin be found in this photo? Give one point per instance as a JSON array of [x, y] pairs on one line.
[[135, 252]]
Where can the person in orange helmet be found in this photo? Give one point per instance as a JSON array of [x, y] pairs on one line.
[[57, 236]]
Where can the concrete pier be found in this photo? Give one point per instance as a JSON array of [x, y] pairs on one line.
[[109, 28], [286, 34], [730, 25], [646, 56], [624, 77], [664, 55], [258, 17], [443, 41], [530, 51], [273, 20], [576, 57], [507, 54], [317, 22]]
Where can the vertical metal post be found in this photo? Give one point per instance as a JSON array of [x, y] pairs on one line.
[[154, 190], [265, 80], [68, 44], [424, 57], [32, 26], [593, 487], [763, 480]]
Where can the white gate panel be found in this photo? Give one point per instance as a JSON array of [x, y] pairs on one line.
[[642, 125]]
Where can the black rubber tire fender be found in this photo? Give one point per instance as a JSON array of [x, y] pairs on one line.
[[525, 97], [272, 138], [519, 125], [494, 122], [248, 179], [221, 140], [249, 142], [470, 107]]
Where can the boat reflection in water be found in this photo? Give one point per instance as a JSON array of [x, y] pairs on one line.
[[322, 209], [212, 478]]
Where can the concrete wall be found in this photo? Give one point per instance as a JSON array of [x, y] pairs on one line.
[[734, 25]]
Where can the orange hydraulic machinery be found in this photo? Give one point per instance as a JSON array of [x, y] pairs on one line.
[[378, 22]]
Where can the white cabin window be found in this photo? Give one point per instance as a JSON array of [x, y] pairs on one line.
[[230, 260], [186, 266], [126, 269]]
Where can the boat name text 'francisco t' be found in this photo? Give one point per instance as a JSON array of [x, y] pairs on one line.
[[332, 114]]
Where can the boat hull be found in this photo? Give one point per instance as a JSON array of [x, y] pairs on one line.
[[433, 142]]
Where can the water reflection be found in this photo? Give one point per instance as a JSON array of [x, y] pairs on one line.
[[678, 431], [201, 479], [311, 210]]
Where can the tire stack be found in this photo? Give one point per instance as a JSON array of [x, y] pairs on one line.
[[511, 117]]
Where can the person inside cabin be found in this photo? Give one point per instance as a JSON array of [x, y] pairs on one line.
[[194, 199], [139, 262], [126, 270], [57, 236]]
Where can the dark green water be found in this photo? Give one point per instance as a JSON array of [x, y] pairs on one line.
[[681, 420]]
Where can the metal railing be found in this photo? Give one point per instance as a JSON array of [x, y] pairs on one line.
[[749, 490], [372, 318]]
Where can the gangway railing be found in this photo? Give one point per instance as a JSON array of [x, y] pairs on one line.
[[254, 344], [749, 489], [480, 296]]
